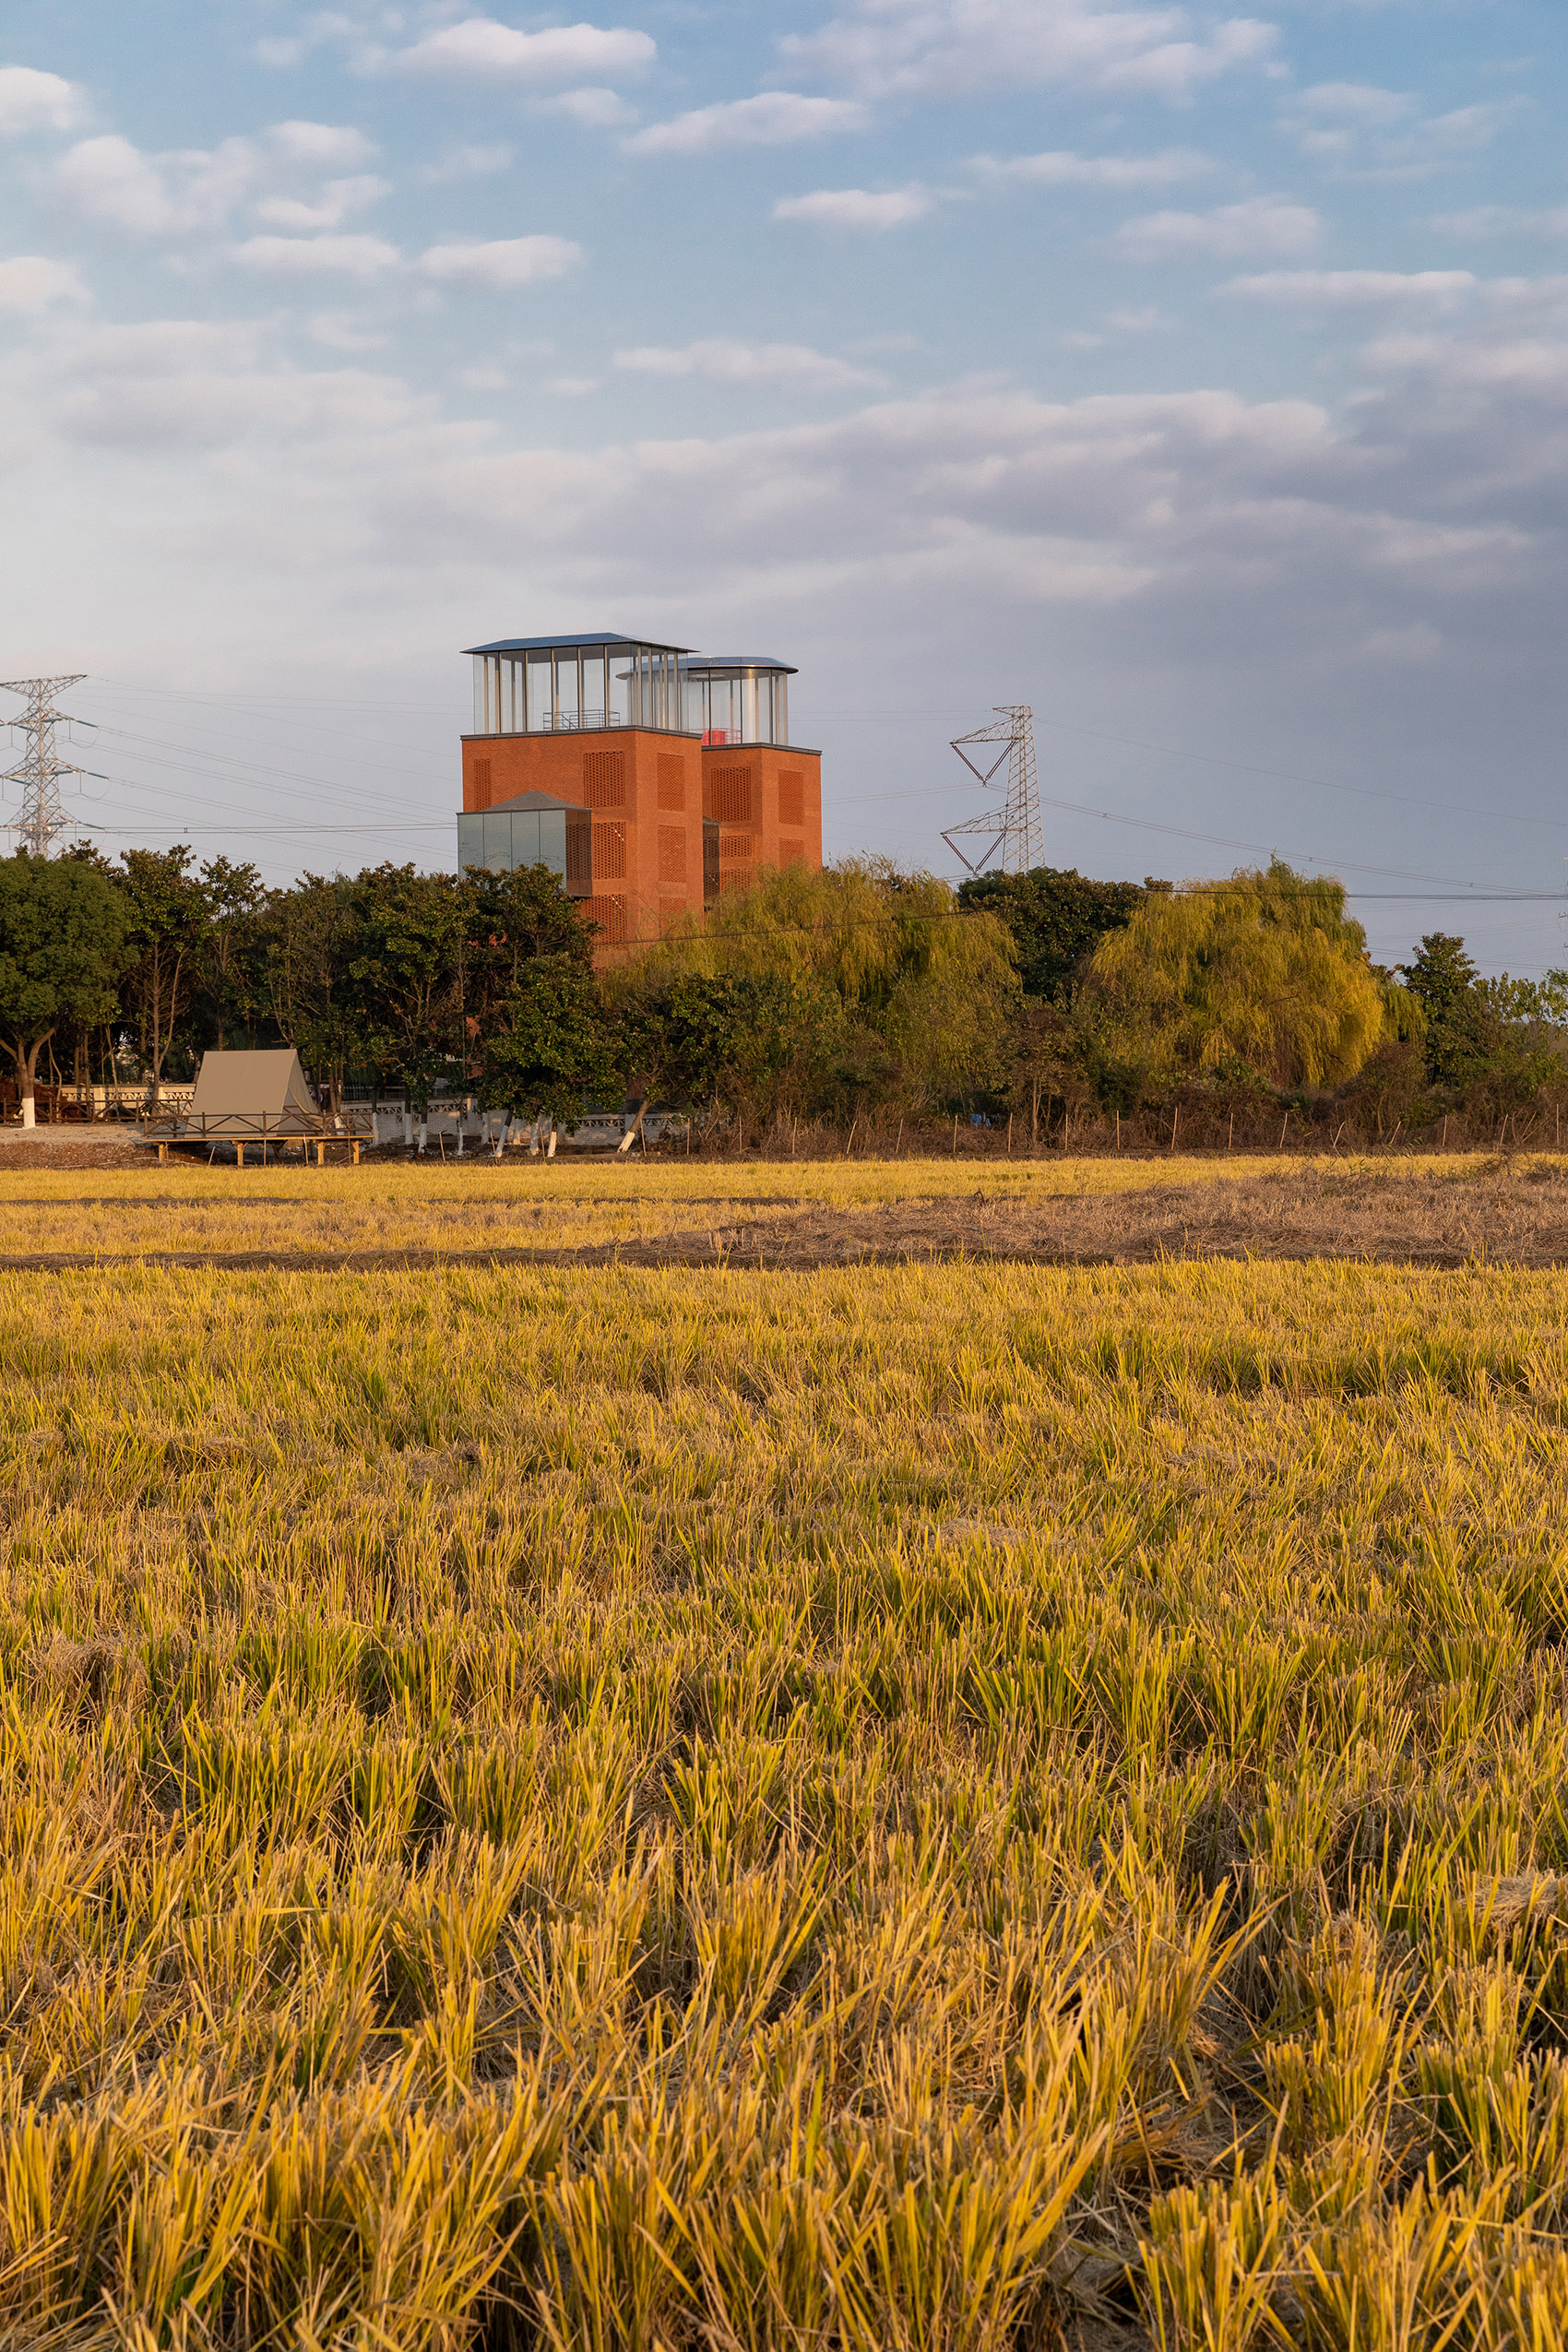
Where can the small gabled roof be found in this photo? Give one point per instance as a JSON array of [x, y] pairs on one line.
[[529, 801]]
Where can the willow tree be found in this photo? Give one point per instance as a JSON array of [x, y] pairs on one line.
[[896, 950], [1266, 972]]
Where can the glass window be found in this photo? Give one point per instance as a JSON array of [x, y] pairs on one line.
[[496, 851], [470, 842], [549, 828], [538, 693]]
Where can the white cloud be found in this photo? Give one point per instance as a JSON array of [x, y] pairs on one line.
[[1147, 321], [1231, 231], [331, 207], [324, 147], [931, 48], [31, 101], [485, 50], [1369, 132], [109, 181], [1417, 642], [189, 191], [1504, 220], [719, 361], [1354, 288], [857, 209], [1060, 170], [185, 385], [315, 256], [776, 118], [31, 281], [468, 164], [1364, 104], [597, 110], [337, 330], [501, 262]]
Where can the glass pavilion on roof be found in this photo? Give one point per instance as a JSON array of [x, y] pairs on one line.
[[737, 698], [546, 685]]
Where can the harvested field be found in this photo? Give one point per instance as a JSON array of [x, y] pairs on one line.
[[1439, 1213], [926, 1806]]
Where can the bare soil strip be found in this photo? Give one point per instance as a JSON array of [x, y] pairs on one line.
[[1421, 1220]]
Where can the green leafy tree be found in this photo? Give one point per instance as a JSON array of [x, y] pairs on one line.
[[1489, 1044], [1045, 1063], [63, 928], [890, 951], [730, 1037], [170, 917], [505, 922], [303, 945], [404, 973], [226, 996], [551, 1050], [1458, 1023], [1264, 973], [1056, 918]]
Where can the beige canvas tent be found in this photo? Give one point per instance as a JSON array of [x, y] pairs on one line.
[[240, 1098]]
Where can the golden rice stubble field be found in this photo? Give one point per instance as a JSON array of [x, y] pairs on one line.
[[928, 1805]]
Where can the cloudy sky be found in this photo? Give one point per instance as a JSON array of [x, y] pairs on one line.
[[1199, 378]]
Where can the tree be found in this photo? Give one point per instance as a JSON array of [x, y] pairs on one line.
[[225, 994], [62, 925], [551, 1049], [1459, 1022], [888, 951], [305, 941], [1045, 1063], [505, 921], [403, 975], [1495, 1041], [170, 919], [730, 1036], [1264, 973], [1057, 917]]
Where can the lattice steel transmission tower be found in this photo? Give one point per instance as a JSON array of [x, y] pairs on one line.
[[39, 771], [1014, 829]]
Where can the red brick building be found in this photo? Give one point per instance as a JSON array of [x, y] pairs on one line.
[[650, 777]]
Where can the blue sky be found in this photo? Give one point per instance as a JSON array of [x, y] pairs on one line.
[[1197, 376]]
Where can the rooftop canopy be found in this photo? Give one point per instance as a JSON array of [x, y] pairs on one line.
[[541, 685], [584, 638], [713, 665]]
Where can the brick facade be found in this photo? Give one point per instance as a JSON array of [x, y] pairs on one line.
[[649, 792]]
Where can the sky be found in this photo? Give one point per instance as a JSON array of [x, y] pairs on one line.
[[1199, 379]]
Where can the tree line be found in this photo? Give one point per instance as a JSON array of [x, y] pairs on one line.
[[857, 991]]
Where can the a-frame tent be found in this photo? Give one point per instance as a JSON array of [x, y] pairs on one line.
[[242, 1098]]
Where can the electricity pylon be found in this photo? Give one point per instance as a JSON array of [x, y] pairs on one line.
[[1014, 829], [39, 771]]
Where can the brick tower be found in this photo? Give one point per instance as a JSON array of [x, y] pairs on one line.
[[648, 777]]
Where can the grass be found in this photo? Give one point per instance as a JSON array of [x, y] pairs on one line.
[[912, 1810]]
